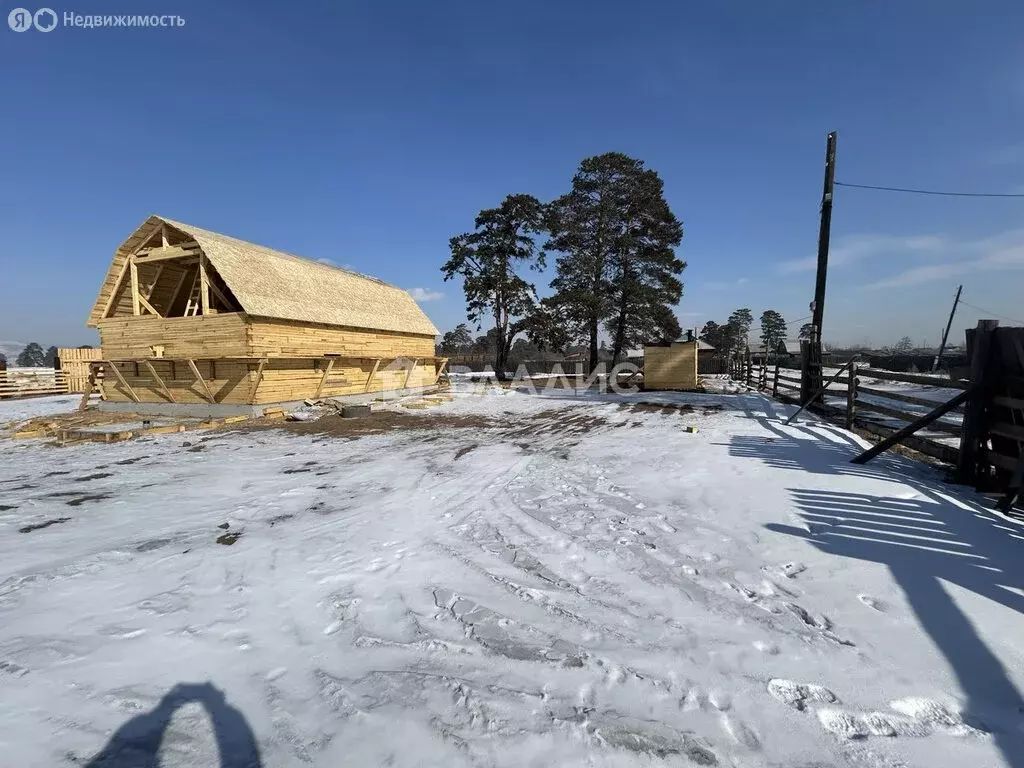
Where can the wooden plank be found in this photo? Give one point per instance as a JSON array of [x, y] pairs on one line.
[[224, 299], [408, 374], [201, 381], [1003, 462], [373, 371], [121, 380], [972, 466], [177, 290], [166, 254], [783, 384], [159, 382], [946, 453], [1012, 431], [939, 426], [901, 434], [323, 379], [136, 306], [88, 390], [256, 380], [204, 287], [1015, 488], [1008, 402], [117, 285], [851, 396], [149, 307], [898, 396], [910, 378], [120, 275], [820, 392]]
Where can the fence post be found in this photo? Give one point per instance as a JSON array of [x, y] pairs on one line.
[[775, 382], [805, 371], [972, 463], [851, 397]]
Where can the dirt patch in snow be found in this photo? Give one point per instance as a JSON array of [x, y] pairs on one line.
[[381, 421], [40, 526]]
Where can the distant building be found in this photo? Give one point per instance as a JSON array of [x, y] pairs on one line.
[[785, 348]]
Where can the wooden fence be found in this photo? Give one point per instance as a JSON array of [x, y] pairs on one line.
[[993, 445], [29, 382], [983, 437], [875, 401], [75, 363]]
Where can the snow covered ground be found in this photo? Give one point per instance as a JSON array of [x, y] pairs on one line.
[[527, 580]]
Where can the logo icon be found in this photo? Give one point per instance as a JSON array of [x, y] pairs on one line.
[[45, 19], [20, 20]]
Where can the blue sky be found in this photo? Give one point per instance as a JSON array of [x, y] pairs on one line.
[[370, 133]]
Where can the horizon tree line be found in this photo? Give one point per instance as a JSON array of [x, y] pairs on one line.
[[34, 356]]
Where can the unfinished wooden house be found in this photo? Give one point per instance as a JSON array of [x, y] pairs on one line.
[[187, 316]]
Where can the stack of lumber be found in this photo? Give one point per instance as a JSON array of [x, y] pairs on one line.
[[29, 382]]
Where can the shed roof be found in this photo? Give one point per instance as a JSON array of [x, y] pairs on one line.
[[278, 285]]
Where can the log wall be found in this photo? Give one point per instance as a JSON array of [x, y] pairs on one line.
[[296, 359], [281, 338], [224, 335]]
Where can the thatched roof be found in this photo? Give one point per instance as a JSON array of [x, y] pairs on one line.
[[273, 284]]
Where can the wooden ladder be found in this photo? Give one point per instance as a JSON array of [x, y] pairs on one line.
[[193, 303]]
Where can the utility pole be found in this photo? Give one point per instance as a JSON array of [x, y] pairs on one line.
[[945, 334], [818, 305], [818, 308]]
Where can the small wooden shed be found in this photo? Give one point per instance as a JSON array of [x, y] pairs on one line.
[[671, 366], [191, 316]]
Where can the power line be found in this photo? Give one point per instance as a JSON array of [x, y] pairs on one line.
[[931, 191], [990, 313], [794, 322]]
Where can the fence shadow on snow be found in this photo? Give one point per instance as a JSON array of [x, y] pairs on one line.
[[921, 541]]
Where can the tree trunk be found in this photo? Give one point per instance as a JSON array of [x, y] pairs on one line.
[[620, 331], [501, 360], [593, 345]]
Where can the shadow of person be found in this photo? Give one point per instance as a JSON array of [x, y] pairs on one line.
[[136, 744]]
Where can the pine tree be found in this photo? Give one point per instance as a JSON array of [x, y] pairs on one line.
[[712, 333], [488, 258], [50, 357], [806, 331], [773, 331], [737, 332], [459, 339], [32, 356], [616, 236]]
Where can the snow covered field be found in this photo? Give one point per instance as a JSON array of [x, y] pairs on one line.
[[521, 580]]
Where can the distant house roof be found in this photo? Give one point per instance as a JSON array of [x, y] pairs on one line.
[[790, 348], [703, 346]]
